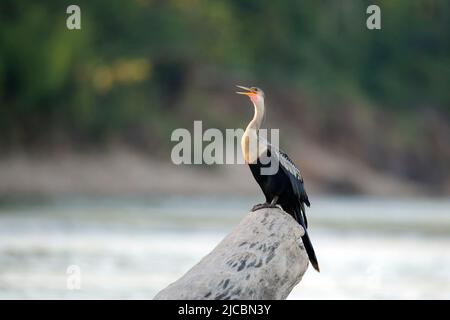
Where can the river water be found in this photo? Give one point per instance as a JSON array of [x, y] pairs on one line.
[[131, 248]]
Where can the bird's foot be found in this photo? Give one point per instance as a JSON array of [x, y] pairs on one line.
[[264, 205]]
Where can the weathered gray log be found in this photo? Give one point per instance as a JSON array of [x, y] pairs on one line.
[[262, 258]]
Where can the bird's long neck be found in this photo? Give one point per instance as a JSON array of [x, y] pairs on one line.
[[258, 116], [250, 141]]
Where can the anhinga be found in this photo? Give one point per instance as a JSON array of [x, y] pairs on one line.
[[285, 186]]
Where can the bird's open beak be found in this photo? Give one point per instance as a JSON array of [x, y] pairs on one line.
[[249, 92]]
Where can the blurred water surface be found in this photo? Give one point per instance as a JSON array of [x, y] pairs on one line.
[[132, 248]]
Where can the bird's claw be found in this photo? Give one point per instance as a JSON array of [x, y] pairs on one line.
[[259, 206], [264, 206]]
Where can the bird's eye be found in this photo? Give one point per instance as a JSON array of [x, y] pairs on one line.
[[254, 89]]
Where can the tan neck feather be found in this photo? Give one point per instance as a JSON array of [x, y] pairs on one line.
[[249, 142]]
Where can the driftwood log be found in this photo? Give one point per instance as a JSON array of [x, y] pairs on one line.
[[262, 258]]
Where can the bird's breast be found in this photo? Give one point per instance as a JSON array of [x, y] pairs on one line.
[[252, 148]]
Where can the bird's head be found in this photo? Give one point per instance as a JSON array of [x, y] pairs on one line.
[[255, 94]]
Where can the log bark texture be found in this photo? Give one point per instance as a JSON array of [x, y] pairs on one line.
[[262, 258]]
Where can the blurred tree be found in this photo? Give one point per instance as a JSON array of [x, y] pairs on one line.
[[134, 61]]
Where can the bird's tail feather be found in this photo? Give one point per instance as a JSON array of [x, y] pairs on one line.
[[300, 216], [310, 251], [303, 212]]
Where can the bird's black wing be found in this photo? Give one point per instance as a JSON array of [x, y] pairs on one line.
[[294, 174], [288, 166], [295, 177]]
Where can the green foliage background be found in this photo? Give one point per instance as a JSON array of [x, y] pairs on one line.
[[125, 72]]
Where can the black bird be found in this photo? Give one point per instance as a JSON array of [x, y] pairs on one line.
[[285, 186]]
